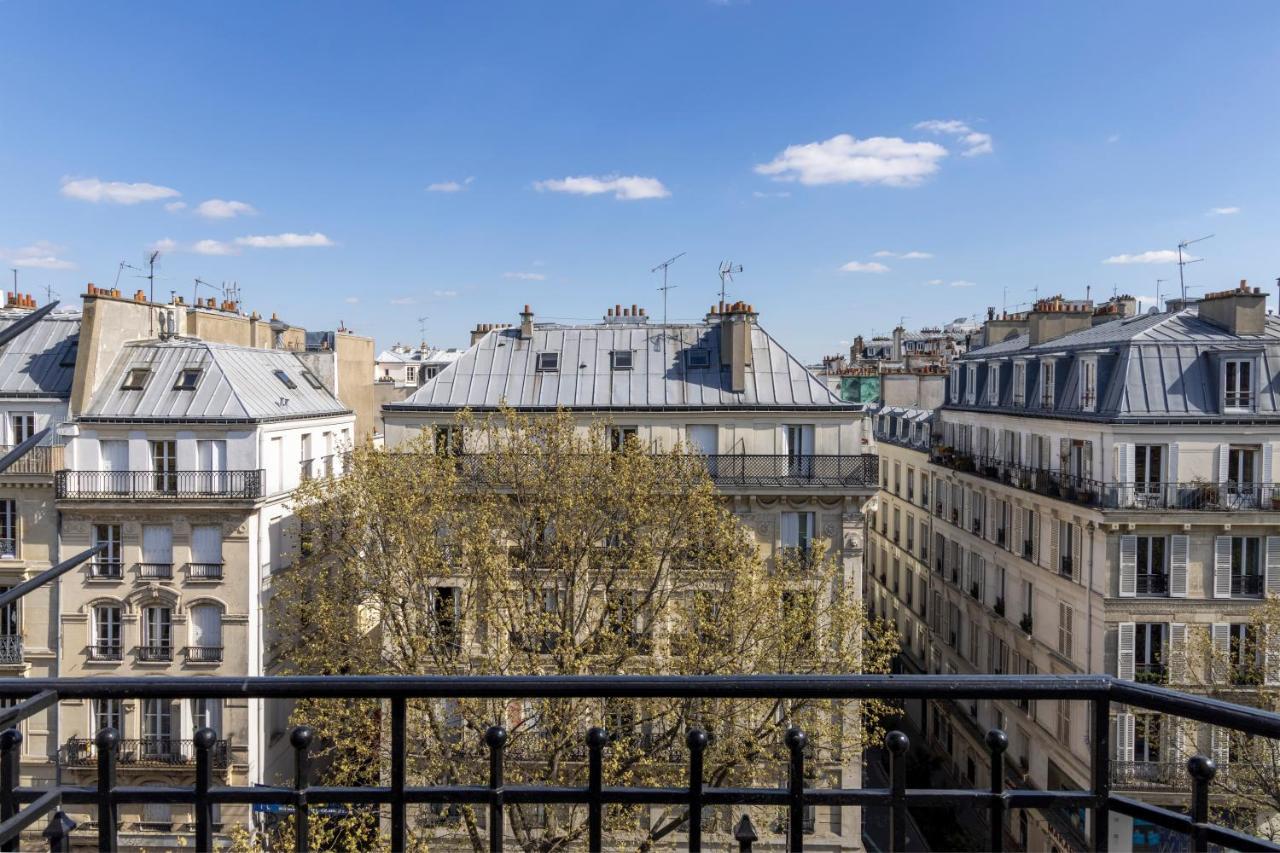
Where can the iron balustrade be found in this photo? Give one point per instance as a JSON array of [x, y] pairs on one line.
[[204, 571], [1152, 584], [156, 652], [106, 651], [106, 569], [22, 807], [155, 571], [204, 654], [159, 485], [1247, 586], [10, 649]]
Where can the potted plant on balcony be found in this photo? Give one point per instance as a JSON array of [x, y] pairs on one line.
[[1025, 624], [999, 605]]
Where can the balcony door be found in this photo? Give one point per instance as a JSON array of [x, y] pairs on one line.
[[798, 440], [114, 462], [157, 728], [157, 550], [164, 465], [206, 627], [212, 459]]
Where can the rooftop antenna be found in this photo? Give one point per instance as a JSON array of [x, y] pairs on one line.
[[727, 270], [665, 287], [422, 328], [1182, 264], [1159, 282], [195, 290]]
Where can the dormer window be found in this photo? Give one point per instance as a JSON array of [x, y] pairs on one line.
[[1019, 383], [136, 379], [548, 362], [620, 359], [312, 380], [993, 385], [971, 385], [698, 358], [1089, 384], [1237, 385], [1046, 384], [286, 380], [187, 379]]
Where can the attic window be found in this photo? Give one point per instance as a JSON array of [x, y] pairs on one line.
[[284, 378], [548, 362], [187, 379], [621, 359], [697, 358], [312, 380], [136, 379]]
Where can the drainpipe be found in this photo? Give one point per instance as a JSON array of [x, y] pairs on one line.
[[1088, 646]]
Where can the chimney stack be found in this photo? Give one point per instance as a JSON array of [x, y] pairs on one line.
[[526, 324], [1054, 317], [736, 322], [1242, 311]]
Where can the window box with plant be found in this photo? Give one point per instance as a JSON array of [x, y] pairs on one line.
[[1025, 624]]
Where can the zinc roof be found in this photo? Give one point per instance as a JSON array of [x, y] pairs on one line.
[[40, 361]]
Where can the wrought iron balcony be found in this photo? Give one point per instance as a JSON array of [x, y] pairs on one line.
[[155, 571], [392, 796], [10, 649], [1153, 584], [105, 568], [204, 654], [1247, 586], [153, 485], [155, 652], [204, 571], [106, 651]]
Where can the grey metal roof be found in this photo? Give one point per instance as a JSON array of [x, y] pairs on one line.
[[501, 368], [235, 384], [40, 361]]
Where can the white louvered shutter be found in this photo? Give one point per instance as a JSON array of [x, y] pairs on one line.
[[1128, 566], [1220, 632], [1179, 552], [1077, 552], [1124, 472], [1125, 650], [991, 518], [1220, 746], [1224, 455], [1171, 467], [1266, 491], [1124, 737], [1178, 739], [1270, 655], [1177, 653], [1018, 536], [1273, 565], [1038, 537], [1222, 567], [1054, 525]]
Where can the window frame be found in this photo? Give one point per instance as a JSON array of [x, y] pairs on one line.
[[616, 357], [285, 379], [136, 379], [192, 373], [548, 362], [702, 360]]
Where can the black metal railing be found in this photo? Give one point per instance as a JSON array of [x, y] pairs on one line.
[[204, 571], [154, 652], [105, 568], [204, 654], [105, 650], [1247, 586], [163, 485], [1153, 584], [22, 807], [155, 571]]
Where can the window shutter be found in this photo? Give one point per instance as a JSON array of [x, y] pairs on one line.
[[1077, 552], [1124, 472], [1015, 545], [1220, 746], [1125, 651], [1177, 652], [1270, 657], [1273, 565], [1222, 567], [1124, 737], [1224, 454], [1036, 537], [991, 518], [1171, 465], [1054, 526], [1128, 566], [1178, 738], [1221, 636], [1179, 549]]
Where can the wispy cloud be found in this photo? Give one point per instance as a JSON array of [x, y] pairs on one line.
[[214, 247], [974, 142], [216, 208], [41, 255], [844, 159], [624, 188], [351, 300], [115, 192], [164, 244], [287, 240], [402, 300], [524, 276], [444, 294], [450, 186], [1155, 256], [906, 256], [861, 266], [175, 206], [779, 194], [962, 283], [935, 281], [1223, 211]]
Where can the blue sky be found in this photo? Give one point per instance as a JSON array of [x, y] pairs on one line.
[[572, 146]]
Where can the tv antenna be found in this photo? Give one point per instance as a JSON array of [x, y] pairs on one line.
[[199, 283], [666, 287], [727, 271], [149, 275], [422, 328], [1159, 282], [1182, 263]]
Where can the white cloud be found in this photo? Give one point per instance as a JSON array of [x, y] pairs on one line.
[[1156, 256], [624, 188], [449, 186], [859, 266], [907, 256], [524, 276], [844, 159], [175, 206], [164, 245], [115, 192], [780, 194], [975, 143], [216, 208], [1223, 211], [444, 294], [40, 255], [963, 283], [935, 281], [214, 247], [402, 300], [288, 240], [351, 300]]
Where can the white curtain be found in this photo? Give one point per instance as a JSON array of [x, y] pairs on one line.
[[157, 543], [212, 455], [206, 626], [206, 543], [115, 454]]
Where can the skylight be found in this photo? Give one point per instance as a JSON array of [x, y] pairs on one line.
[[187, 379], [548, 362], [136, 379], [286, 379], [312, 380]]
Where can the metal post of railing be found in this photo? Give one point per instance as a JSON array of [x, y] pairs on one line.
[[204, 739], [107, 740], [1101, 761], [795, 740], [496, 739], [1202, 770], [745, 834], [399, 713], [300, 739], [596, 739], [58, 832], [896, 744], [697, 741], [10, 747], [997, 742]]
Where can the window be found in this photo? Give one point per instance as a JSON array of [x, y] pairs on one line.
[[1088, 384], [8, 529], [108, 563], [1064, 722], [285, 379], [971, 384], [620, 359], [620, 437], [22, 425], [1019, 383], [955, 384], [1046, 384], [1067, 536], [447, 607], [164, 464], [1246, 566], [1153, 569], [1065, 619], [1146, 737], [206, 552], [104, 641], [206, 714], [187, 379], [1148, 465], [206, 633], [1245, 653], [993, 385], [136, 379], [1149, 641], [697, 358], [157, 728], [107, 714], [797, 531], [157, 634], [157, 551], [1237, 384], [548, 362], [410, 373], [1241, 469], [313, 380], [448, 440]]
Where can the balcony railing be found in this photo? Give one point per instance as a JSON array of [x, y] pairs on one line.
[[204, 654], [1149, 775], [10, 649], [42, 459], [155, 652], [106, 569], [155, 571], [395, 792], [152, 485], [104, 650], [1247, 586], [1153, 584], [204, 571], [1151, 672]]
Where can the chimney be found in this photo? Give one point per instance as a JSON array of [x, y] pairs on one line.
[[897, 343], [526, 324], [1054, 317], [736, 321], [1242, 311]]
